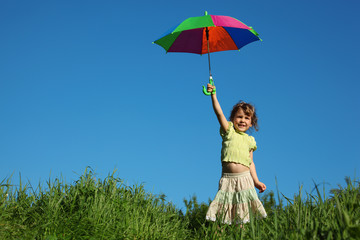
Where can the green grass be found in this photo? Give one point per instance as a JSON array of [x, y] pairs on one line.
[[92, 208], [87, 209]]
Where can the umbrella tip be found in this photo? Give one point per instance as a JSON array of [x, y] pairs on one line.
[[206, 13]]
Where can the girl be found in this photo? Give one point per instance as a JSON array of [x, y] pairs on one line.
[[236, 195]]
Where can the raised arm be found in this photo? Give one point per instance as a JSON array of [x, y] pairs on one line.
[[217, 109]]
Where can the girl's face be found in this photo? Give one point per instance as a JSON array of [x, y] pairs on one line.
[[241, 121]]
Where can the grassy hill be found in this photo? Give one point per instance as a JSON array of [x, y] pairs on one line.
[[92, 208]]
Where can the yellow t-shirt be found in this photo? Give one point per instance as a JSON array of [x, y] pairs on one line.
[[236, 146]]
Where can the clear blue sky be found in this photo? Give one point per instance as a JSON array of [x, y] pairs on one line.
[[81, 84]]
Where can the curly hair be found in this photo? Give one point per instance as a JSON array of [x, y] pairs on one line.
[[249, 110]]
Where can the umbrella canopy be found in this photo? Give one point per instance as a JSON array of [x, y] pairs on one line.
[[224, 33], [207, 34]]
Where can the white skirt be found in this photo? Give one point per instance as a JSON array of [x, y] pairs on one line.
[[235, 199]]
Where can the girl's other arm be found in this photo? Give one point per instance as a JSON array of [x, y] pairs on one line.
[[217, 109], [259, 185]]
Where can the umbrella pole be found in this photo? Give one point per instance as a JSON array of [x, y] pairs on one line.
[[208, 48], [210, 76]]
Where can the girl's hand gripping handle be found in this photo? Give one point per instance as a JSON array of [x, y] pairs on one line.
[[205, 90]]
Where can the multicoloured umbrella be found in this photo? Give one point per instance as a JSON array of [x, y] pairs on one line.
[[207, 34]]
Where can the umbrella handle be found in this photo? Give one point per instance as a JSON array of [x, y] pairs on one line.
[[205, 90]]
